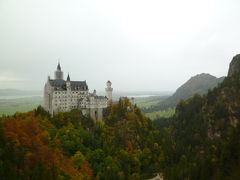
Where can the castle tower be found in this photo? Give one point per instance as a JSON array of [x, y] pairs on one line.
[[68, 88], [94, 92], [108, 91], [68, 82], [58, 72]]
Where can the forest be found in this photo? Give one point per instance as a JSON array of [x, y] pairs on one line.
[[34, 145], [200, 141]]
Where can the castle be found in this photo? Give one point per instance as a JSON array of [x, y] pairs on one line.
[[63, 96]]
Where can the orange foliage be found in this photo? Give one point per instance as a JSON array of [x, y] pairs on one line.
[[86, 169], [27, 137]]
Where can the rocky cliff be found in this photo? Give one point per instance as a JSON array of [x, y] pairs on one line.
[[234, 68]]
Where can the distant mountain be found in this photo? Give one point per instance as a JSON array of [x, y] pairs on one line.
[[16, 92], [199, 84]]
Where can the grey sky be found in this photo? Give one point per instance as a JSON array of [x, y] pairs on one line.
[[138, 45]]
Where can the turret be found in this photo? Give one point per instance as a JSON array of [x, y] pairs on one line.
[[108, 91], [58, 72], [68, 82]]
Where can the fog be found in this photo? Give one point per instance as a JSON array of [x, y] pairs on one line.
[[151, 45]]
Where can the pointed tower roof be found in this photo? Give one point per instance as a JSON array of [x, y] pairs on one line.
[[59, 67], [68, 77]]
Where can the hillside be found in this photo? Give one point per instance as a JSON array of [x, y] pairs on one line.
[[35, 145], [199, 84], [205, 133]]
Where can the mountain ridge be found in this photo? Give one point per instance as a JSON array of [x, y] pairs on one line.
[[199, 84]]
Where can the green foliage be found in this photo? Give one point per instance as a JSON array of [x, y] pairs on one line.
[[78, 159], [161, 114], [123, 146], [201, 141], [147, 102]]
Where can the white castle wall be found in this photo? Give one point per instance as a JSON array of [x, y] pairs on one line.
[[65, 100]]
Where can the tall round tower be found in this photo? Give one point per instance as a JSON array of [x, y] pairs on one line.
[[58, 72], [108, 91]]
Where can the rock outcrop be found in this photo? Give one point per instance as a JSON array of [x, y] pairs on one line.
[[234, 68]]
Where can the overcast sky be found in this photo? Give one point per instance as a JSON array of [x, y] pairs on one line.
[[139, 45]]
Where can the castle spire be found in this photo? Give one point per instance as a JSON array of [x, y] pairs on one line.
[[59, 67], [58, 72], [68, 77]]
